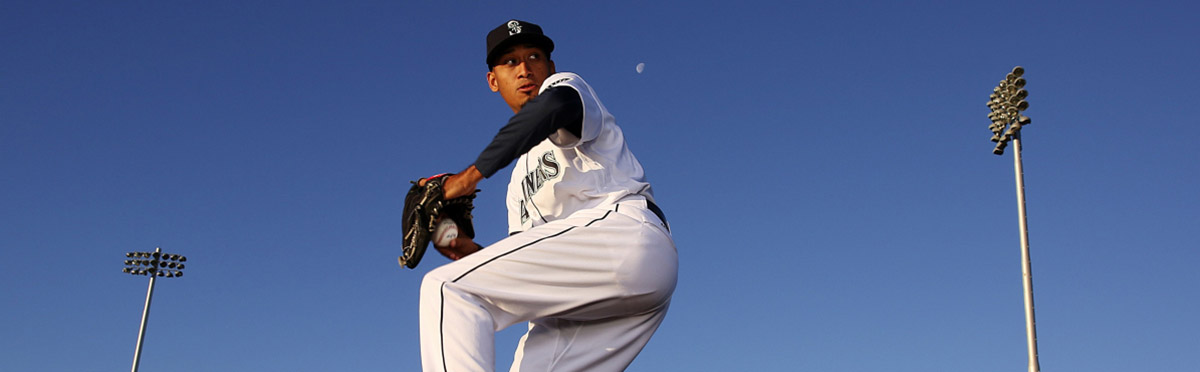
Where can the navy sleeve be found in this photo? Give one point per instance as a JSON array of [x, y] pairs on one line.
[[552, 109]]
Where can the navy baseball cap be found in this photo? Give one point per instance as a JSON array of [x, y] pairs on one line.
[[515, 32]]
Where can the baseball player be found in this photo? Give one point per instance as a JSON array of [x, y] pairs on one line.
[[589, 263]]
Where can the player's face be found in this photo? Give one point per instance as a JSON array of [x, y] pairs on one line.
[[519, 73]]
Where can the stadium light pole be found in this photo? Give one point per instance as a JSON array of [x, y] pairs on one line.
[[1007, 101], [152, 264]]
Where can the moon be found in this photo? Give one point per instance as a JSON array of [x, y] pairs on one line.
[[641, 67]]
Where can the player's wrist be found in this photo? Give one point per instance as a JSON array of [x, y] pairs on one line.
[[473, 174]]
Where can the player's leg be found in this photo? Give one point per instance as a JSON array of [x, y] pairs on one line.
[[598, 345], [459, 312], [472, 346], [577, 266]]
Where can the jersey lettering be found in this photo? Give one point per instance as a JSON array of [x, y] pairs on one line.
[[547, 169]]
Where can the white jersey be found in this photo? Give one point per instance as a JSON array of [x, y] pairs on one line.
[[565, 174]]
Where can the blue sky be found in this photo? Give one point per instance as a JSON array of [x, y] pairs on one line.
[[826, 169]]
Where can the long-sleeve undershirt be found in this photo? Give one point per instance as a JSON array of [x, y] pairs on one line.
[[556, 108]]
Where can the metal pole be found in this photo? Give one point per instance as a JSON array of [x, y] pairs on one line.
[[1026, 268], [137, 352]]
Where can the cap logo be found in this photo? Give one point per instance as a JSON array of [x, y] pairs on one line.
[[514, 27]]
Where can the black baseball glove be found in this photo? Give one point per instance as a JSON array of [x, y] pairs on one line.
[[423, 208]]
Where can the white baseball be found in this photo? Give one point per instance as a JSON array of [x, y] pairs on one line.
[[446, 231]]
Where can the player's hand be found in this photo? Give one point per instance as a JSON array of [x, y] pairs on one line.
[[461, 184], [459, 248]]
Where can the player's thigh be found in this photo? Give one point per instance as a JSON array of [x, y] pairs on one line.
[[567, 267]]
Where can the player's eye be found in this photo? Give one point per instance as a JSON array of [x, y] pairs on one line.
[[513, 61]]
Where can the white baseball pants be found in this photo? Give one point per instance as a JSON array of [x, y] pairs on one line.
[[594, 287]]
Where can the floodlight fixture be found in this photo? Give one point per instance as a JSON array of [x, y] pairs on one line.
[[1007, 101], [153, 264]]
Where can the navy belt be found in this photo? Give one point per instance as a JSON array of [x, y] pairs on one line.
[[658, 212]]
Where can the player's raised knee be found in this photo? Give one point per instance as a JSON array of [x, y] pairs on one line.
[[433, 281]]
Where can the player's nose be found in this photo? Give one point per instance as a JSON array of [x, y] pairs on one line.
[[523, 71]]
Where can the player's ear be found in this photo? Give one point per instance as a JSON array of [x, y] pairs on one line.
[[491, 78], [552, 69]]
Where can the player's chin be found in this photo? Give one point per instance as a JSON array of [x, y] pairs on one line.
[[524, 99]]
